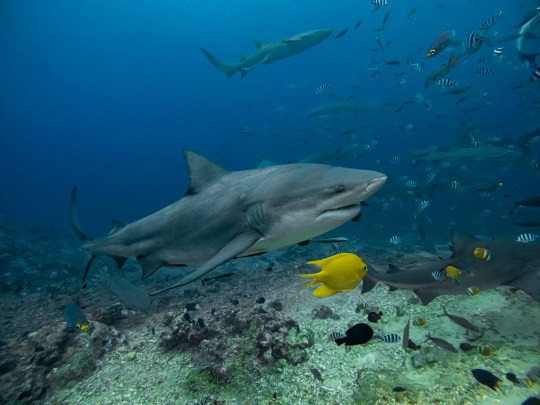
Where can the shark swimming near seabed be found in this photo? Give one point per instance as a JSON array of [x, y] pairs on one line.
[[268, 53], [528, 41], [506, 262], [225, 215]]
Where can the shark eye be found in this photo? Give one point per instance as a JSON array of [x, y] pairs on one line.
[[340, 189]]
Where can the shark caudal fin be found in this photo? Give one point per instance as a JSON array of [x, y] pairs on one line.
[[84, 238], [228, 68], [73, 217]]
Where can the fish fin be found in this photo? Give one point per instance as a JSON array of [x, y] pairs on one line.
[[201, 171], [313, 282], [258, 44], [83, 237], [528, 283], [323, 262], [367, 284], [228, 68], [149, 265], [340, 341], [236, 246], [120, 261], [116, 226], [461, 241], [425, 297], [392, 269], [323, 291]]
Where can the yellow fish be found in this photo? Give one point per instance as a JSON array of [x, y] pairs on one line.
[[82, 326], [482, 254], [340, 273], [454, 273]]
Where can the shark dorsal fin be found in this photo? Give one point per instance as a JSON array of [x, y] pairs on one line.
[[201, 171], [392, 269], [116, 226], [258, 44], [461, 241]]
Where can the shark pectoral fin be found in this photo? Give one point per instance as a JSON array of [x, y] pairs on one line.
[[116, 226], [529, 284], [461, 241], [367, 284], [120, 261], [236, 246], [323, 291], [425, 297], [149, 265]]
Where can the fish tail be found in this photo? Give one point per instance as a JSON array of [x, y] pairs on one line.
[[228, 68], [313, 282], [73, 217]]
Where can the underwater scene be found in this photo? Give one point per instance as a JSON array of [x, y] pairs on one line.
[[270, 202]]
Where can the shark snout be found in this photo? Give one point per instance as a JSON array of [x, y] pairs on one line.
[[375, 184]]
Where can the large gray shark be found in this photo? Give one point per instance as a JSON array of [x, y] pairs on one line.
[[510, 263], [234, 214], [268, 53], [528, 41], [484, 152]]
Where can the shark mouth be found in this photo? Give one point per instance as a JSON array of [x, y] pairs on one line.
[[351, 209]]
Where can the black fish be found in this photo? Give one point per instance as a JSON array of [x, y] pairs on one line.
[[359, 334], [341, 33], [466, 347], [399, 389], [486, 378], [443, 344], [512, 377], [358, 24], [531, 401], [316, 374], [374, 316]]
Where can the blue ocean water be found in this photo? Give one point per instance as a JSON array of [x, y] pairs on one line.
[[105, 95]]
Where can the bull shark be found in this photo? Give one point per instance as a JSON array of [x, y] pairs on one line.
[[268, 53], [510, 263], [528, 43], [235, 214], [484, 152]]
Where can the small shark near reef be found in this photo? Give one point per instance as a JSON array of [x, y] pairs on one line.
[[510, 263], [235, 214], [268, 53]]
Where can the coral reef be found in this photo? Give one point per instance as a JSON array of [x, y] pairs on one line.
[[49, 358], [233, 339]]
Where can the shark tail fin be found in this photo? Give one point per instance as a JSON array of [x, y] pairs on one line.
[[73, 217], [228, 68]]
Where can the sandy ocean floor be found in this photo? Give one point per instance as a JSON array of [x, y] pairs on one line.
[[142, 372]]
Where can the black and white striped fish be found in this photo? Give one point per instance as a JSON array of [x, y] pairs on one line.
[[491, 21], [254, 266], [335, 317], [473, 42], [527, 237], [484, 72], [439, 275], [444, 82], [379, 3], [322, 88], [336, 335], [498, 51], [391, 338]]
